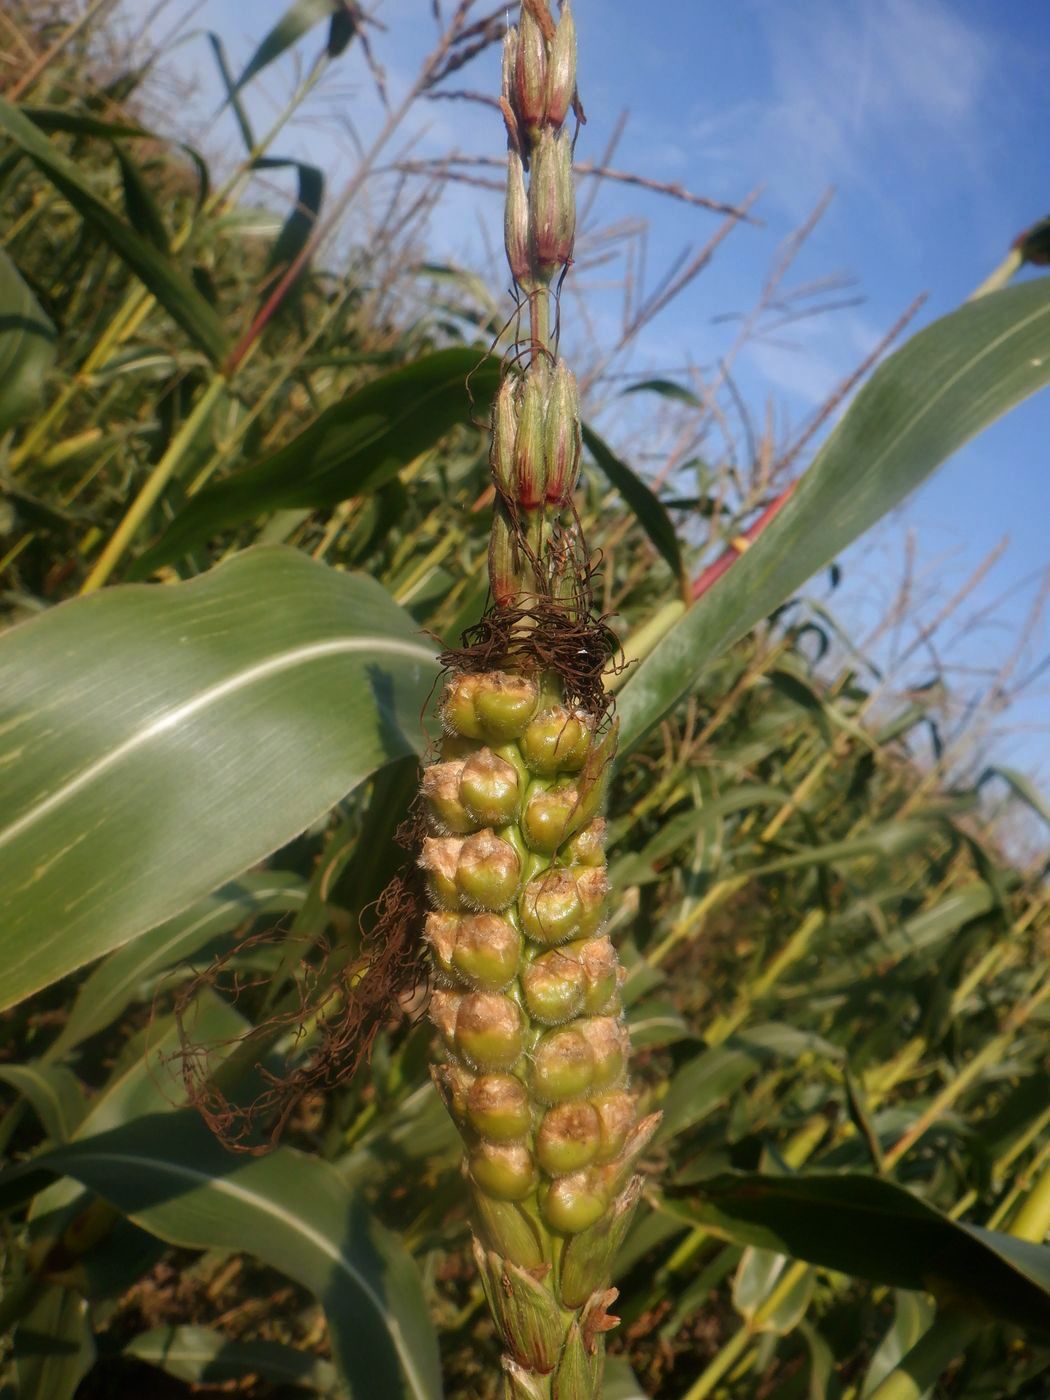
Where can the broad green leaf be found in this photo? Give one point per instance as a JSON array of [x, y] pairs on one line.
[[701, 1085], [158, 741], [175, 292], [776, 1039], [922, 933], [658, 1023], [874, 1229], [53, 1346], [822, 1377], [696, 1293], [620, 1382], [53, 1091], [936, 392], [168, 1175], [913, 1313], [296, 21], [646, 505], [147, 1080], [201, 1356], [352, 449], [27, 346], [129, 972], [790, 680], [927, 928]]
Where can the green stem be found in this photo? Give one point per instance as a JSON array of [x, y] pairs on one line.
[[739, 1342], [992, 1053], [155, 484], [1032, 1221]]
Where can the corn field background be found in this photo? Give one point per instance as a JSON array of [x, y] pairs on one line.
[[244, 504]]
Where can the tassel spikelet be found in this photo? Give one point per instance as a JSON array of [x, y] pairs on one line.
[[533, 1047]]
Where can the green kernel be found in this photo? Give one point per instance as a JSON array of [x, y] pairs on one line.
[[497, 1106], [568, 1138], [504, 705], [573, 1203], [555, 742], [488, 871], [486, 951], [548, 816], [553, 987], [551, 909], [563, 1066], [488, 790], [489, 1033], [505, 1171]]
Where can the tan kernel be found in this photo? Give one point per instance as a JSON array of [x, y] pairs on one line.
[[441, 931]]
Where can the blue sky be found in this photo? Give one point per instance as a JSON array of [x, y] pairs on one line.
[[928, 117]]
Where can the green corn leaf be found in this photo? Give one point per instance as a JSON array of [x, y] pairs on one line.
[[27, 347], [657, 1023], [758, 1274], [823, 1378], [666, 389], [1022, 787], [293, 1212], [935, 393], [876, 1230], [75, 123], [885, 841], [646, 505], [620, 1382], [702, 1085], [53, 1091], [640, 867], [922, 933], [352, 449], [83, 124], [232, 97], [298, 228], [157, 741], [175, 292], [913, 1314], [128, 973], [142, 209], [53, 1345], [202, 1356], [296, 21]]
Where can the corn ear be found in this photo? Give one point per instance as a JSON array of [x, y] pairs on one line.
[[532, 1043]]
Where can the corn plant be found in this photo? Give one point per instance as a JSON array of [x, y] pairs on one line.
[[827, 1173]]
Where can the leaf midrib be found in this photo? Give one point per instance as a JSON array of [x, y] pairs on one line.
[[170, 719], [228, 1187]]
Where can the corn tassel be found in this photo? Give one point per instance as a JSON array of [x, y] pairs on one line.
[[533, 1045]]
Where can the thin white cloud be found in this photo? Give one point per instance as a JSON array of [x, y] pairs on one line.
[[862, 94]]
